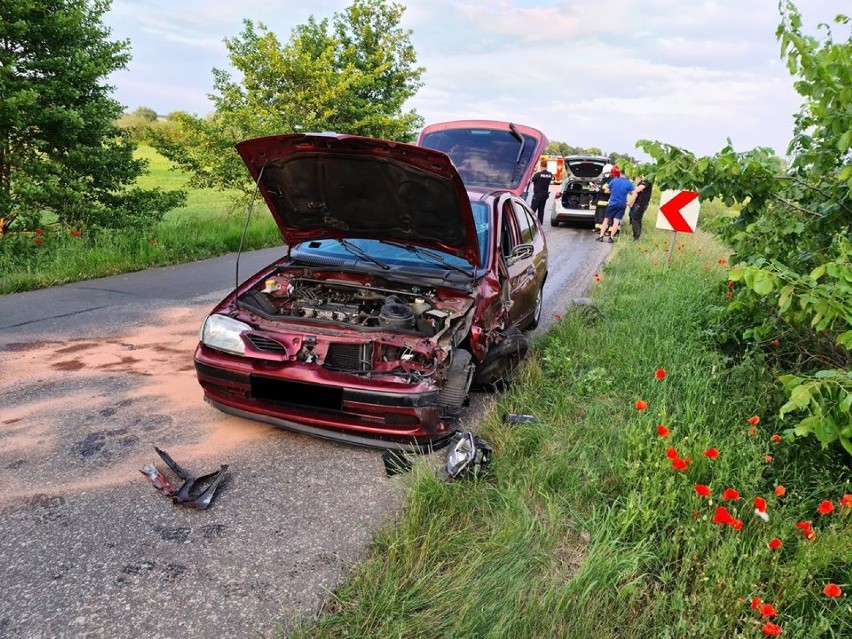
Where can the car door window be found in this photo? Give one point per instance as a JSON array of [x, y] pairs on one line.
[[525, 224], [508, 233]]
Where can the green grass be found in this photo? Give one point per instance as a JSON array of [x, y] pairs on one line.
[[210, 224], [582, 528]]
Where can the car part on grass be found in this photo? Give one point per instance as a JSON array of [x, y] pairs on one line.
[[195, 492], [468, 455], [516, 418], [396, 462]]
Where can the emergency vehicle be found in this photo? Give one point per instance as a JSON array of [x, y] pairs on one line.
[[556, 165]]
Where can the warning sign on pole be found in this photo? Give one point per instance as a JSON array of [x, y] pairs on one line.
[[678, 211]]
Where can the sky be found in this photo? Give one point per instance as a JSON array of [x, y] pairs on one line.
[[592, 74]]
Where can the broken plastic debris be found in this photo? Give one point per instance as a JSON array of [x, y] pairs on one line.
[[468, 455], [516, 418], [395, 462], [160, 482], [195, 492]]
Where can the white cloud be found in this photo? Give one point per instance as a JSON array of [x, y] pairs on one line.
[[593, 74]]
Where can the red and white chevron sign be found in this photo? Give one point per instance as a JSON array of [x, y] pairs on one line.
[[678, 211]]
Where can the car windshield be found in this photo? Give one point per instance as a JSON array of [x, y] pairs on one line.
[[396, 255], [484, 158]]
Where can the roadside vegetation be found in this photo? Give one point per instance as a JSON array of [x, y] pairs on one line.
[[209, 224], [602, 518]]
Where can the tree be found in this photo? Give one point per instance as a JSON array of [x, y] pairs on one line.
[[60, 150], [791, 238], [136, 123], [352, 74]]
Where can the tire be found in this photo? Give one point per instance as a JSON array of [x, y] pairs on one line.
[[539, 303], [554, 222], [459, 377]]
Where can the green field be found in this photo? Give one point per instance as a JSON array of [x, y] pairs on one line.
[[210, 224]]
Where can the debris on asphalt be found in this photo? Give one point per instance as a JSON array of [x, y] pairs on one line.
[[468, 455], [517, 418], [195, 492], [396, 462]]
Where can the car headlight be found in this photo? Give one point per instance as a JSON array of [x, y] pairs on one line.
[[223, 334]]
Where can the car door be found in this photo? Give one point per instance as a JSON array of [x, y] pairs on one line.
[[517, 248]]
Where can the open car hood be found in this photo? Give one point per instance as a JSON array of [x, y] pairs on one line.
[[320, 186], [488, 154], [588, 167]]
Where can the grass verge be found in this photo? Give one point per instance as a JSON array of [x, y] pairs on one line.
[[210, 224], [583, 527]]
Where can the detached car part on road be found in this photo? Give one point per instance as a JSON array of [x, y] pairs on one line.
[[402, 285], [578, 194]]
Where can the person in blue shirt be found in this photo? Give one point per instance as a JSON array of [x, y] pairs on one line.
[[620, 189]]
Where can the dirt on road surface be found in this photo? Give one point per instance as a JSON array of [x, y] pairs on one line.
[[91, 549]]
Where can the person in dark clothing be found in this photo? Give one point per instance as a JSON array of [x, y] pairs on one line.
[[642, 195], [541, 190]]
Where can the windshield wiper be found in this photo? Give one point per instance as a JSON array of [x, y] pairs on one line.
[[437, 257], [357, 250]]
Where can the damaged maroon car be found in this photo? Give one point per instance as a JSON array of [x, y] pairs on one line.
[[403, 285]]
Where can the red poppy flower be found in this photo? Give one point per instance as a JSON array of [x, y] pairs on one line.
[[775, 544], [776, 437], [770, 629], [730, 495], [723, 262], [768, 459], [780, 491], [807, 531], [846, 500], [38, 240], [722, 516], [660, 373], [755, 602], [760, 504], [641, 404], [737, 524], [75, 233], [39, 232], [825, 507], [832, 590], [767, 610], [776, 343], [153, 242], [671, 453], [662, 431], [702, 490], [729, 294], [679, 464], [712, 453], [754, 420], [731, 284]]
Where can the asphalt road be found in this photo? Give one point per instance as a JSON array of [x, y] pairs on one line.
[[92, 377]]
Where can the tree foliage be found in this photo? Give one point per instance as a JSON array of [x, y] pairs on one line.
[[791, 239], [60, 151], [351, 74], [136, 124]]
